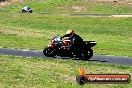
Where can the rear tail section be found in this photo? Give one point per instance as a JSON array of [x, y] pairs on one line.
[[90, 43]]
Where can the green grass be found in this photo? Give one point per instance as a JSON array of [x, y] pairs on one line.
[[18, 72], [34, 31], [71, 6]]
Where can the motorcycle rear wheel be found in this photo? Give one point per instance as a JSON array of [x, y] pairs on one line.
[[87, 54], [31, 11]]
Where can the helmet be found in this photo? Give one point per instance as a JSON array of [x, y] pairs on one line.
[[70, 32]]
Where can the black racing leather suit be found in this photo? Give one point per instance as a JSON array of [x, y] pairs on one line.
[[77, 44]]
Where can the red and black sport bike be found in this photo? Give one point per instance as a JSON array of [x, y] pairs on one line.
[[59, 47]]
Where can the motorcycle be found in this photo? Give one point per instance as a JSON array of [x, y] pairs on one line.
[[59, 47], [27, 10]]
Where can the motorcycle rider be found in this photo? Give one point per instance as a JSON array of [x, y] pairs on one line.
[[26, 8], [77, 42]]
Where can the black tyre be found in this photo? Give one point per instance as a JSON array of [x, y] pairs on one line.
[[49, 52], [87, 54], [31, 11], [23, 11], [81, 80]]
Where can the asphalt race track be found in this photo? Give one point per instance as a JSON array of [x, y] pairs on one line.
[[88, 15], [39, 54]]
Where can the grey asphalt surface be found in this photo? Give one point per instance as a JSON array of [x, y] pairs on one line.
[[39, 54], [79, 14]]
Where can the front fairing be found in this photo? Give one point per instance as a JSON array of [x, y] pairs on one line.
[[54, 44], [51, 46]]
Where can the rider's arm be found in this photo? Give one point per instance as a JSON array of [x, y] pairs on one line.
[[64, 36]]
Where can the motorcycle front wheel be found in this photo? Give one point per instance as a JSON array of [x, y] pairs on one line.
[[49, 52], [23, 11]]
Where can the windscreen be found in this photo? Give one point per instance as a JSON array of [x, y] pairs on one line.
[[57, 38]]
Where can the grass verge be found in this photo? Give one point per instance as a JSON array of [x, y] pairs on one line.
[[46, 73], [73, 6]]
